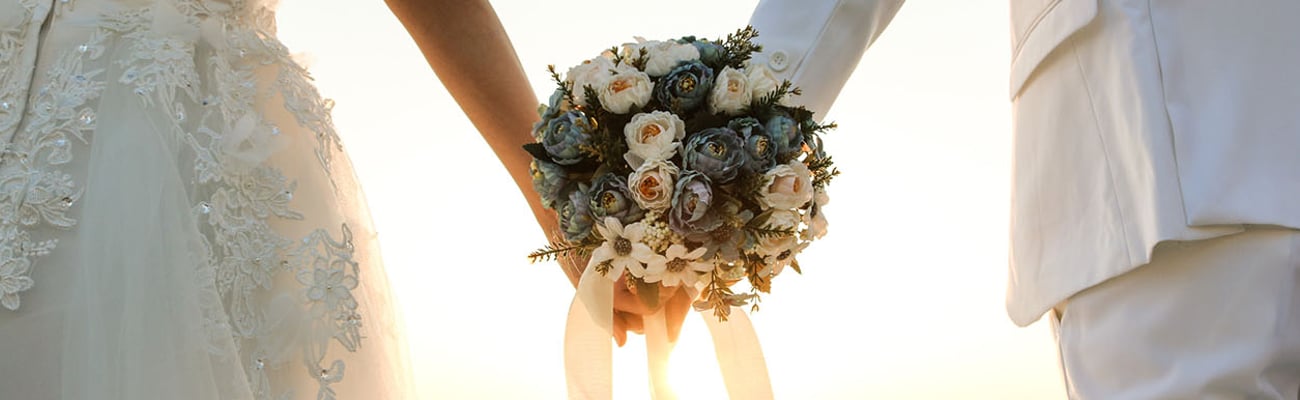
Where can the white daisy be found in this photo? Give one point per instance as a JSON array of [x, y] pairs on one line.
[[679, 267], [624, 249]]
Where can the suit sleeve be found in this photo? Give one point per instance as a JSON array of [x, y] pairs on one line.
[[817, 44]]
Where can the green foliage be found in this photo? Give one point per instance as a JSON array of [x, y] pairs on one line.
[[739, 47], [823, 170], [558, 249]]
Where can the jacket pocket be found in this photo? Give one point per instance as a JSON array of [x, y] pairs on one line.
[[1038, 27]]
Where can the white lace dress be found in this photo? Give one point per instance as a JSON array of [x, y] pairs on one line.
[[177, 217]]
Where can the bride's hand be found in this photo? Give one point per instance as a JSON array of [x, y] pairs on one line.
[[629, 310]]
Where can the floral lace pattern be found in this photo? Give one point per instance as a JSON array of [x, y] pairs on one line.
[[211, 79]]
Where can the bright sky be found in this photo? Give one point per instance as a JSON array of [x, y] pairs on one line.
[[903, 300]]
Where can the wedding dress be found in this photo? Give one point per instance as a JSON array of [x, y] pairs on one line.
[[178, 219]]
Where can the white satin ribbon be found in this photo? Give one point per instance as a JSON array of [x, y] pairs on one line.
[[657, 349], [739, 356], [588, 352]]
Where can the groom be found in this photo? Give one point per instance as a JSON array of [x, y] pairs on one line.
[[1156, 194]]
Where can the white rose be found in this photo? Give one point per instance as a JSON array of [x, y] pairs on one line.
[[762, 81], [592, 73], [787, 186], [652, 184], [817, 223], [629, 87], [661, 56], [731, 93], [652, 136]]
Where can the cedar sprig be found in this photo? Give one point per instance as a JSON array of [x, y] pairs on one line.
[[716, 296], [557, 249], [769, 231], [773, 98], [823, 170], [564, 86], [642, 57], [739, 47]]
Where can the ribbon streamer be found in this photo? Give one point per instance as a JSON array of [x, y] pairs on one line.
[[588, 351]]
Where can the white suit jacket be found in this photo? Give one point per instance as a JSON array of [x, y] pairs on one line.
[[1136, 122]]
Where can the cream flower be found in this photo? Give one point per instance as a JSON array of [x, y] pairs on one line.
[[787, 186], [816, 218], [623, 249], [652, 184], [592, 73], [679, 267], [653, 135], [777, 263], [731, 93], [661, 56], [762, 81], [626, 88]]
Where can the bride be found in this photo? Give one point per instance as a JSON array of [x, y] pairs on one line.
[[178, 218]]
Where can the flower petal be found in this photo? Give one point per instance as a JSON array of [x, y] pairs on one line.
[[633, 267], [634, 232]]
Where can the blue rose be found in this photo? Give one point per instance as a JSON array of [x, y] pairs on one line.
[[553, 108], [710, 53], [716, 152], [610, 197], [575, 215], [785, 131], [685, 88], [690, 214], [548, 180], [565, 135], [760, 149]]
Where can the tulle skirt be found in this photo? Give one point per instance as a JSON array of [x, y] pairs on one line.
[[178, 218]]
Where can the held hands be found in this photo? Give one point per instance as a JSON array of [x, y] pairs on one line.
[[629, 310]]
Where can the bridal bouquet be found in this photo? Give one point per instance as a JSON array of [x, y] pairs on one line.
[[680, 162]]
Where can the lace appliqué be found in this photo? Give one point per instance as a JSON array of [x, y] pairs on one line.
[[34, 191], [241, 198], [212, 81]]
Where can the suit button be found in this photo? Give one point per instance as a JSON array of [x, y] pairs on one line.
[[778, 61]]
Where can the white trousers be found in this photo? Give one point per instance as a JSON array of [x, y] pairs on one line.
[[1209, 319]]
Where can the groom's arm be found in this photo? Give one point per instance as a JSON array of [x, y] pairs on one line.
[[464, 42], [817, 44]]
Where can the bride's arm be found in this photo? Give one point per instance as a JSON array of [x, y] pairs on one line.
[[464, 42]]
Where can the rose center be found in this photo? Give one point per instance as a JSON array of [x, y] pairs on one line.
[[648, 186], [796, 185], [619, 85], [676, 265], [608, 200], [716, 150], [622, 247], [762, 146], [686, 85], [733, 86], [649, 131]]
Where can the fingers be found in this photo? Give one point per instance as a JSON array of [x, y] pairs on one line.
[[624, 323], [676, 309], [620, 330]]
